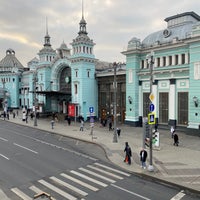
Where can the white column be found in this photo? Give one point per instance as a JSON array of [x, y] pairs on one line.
[[156, 62], [155, 101], [161, 61], [145, 64], [140, 101], [172, 101], [186, 58], [179, 59], [173, 59], [167, 60]]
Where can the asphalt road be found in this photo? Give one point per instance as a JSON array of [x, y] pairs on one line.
[[32, 161]]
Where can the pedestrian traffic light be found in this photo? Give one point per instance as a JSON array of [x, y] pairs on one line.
[[151, 118]]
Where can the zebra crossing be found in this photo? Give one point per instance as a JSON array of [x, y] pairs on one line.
[[73, 184]]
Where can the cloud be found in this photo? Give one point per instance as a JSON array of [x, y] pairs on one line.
[[110, 23]]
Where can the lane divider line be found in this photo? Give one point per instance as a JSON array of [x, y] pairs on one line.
[[25, 148]]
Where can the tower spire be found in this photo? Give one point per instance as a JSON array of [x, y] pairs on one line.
[[82, 9], [82, 23], [46, 26], [47, 37]]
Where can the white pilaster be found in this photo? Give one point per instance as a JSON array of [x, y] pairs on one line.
[[172, 102], [179, 59], [155, 101], [167, 60]]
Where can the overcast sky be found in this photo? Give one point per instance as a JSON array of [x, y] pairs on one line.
[[110, 23]]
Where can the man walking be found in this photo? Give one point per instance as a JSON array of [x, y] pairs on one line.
[[143, 157]]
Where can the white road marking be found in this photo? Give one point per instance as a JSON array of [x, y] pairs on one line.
[[80, 182], [88, 178], [105, 172], [114, 170], [5, 140], [25, 148], [21, 194], [71, 187], [130, 192], [57, 190], [4, 156], [179, 196], [97, 175]]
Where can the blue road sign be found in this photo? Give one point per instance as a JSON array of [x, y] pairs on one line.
[[151, 107], [91, 109]]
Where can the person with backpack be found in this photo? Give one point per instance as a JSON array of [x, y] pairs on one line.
[[128, 152]]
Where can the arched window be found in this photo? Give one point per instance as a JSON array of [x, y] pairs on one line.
[[75, 88]]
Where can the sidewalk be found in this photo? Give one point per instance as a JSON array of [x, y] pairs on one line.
[[178, 165]]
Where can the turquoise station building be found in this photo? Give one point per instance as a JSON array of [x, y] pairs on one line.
[[55, 81], [162, 70], [166, 64]]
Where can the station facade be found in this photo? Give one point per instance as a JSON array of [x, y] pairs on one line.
[[167, 65], [72, 81]]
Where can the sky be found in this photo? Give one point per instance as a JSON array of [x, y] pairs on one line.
[[110, 23]]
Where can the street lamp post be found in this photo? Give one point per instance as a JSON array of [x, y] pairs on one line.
[[150, 58], [115, 138], [34, 97]]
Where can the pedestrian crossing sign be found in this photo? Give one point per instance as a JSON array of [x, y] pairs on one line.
[[151, 118]]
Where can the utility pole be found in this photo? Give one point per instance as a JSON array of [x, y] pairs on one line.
[[150, 59], [115, 138]]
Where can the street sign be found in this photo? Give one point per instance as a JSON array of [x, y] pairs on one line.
[[151, 97], [91, 109], [151, 107], [151, 118]]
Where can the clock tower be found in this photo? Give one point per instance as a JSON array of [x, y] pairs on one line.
[[84, 92]]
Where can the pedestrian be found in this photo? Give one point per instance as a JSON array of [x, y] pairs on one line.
[[82, 125], [8, 115], [128, 153], [26, 118], [69, 120], [110, 124], [52, 124], [14, 114], [176, 140], [118, 131], [143, 157], [172, 130], [4, 115]]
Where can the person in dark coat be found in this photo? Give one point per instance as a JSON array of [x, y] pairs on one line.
[[128, 153], [143, 157], [176, 141]]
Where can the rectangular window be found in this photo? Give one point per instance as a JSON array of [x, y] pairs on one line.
[[176, 59], [142, 67], [158, 62], [170, 60], [164, 61], [163, 107], [75, 89], [182, 58]]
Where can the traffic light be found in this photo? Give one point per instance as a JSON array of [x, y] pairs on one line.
[[154, 137]]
